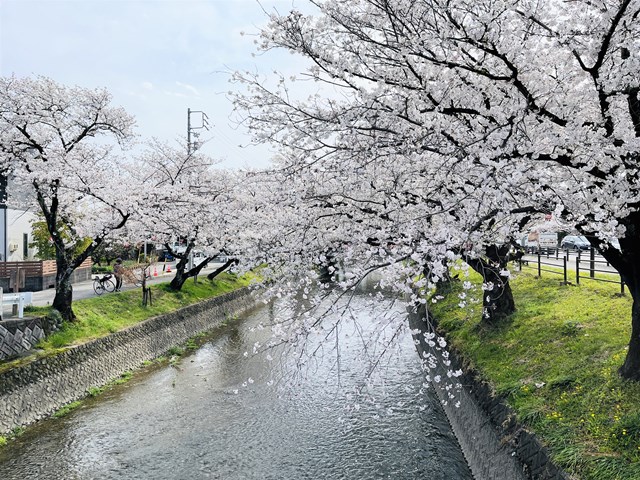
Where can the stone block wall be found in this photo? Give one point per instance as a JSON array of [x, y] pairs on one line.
[[35, 390], [19, 336], [494, 444]]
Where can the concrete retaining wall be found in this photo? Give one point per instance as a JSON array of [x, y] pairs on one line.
[[495, 446], [34, 391], [19, 336]]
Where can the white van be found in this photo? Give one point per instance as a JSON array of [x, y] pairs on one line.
[[541, 241]]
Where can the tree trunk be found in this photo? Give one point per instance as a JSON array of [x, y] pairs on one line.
[[630, 369], [181, 266], [182, 274], [178, 280], [64, 290], [218, 271], [444, 285], [497, 302], [627, 263]]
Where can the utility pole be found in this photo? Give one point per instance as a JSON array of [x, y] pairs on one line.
[[3, 218], [203, 123], [192, 147]]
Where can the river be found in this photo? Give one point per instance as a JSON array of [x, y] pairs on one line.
[[218, 413]]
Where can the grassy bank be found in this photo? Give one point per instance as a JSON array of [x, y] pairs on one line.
[[556, 364], [109, 313]]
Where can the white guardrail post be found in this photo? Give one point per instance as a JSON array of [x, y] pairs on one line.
[[20, 299]]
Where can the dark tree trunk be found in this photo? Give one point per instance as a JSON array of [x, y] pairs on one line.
[[445, 283], [219, 270], [627, 262], [182, 274], [180, 277], [497, 300], [64, 290], [630, 369]]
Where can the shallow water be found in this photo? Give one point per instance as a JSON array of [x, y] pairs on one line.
[[215, 415]]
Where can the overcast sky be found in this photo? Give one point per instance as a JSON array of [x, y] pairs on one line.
[[156, 57]]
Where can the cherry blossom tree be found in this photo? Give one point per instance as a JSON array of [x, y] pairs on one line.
[[300, 229], [521, 106], [49, 142], [186, 199]]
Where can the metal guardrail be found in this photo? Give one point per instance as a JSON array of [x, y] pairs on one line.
[[540, 264], [20, 299], [593, 261]]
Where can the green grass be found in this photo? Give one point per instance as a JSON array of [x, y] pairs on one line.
[[556, 364], [100, 316], [66, 409]]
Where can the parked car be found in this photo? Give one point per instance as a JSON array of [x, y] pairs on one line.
[[575, 242], [165, 256]]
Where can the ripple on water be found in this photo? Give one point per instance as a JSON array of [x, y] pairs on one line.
[[189, 423]]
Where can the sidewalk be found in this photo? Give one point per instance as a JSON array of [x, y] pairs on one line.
[[85, 289]]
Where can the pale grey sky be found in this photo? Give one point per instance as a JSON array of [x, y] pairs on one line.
[[157, 58]]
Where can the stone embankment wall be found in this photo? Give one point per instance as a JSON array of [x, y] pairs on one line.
[[19, 336], [494, 444], [35, 390]]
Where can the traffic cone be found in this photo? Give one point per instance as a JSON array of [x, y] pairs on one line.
[[155, 272], [169, 268]]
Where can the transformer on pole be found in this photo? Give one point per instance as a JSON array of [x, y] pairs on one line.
[[204, 123]]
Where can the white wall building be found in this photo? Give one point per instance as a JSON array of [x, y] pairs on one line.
[[15, 223], [19, 236]]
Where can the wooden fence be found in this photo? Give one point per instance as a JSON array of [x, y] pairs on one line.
[[38, 275], [32, 269]]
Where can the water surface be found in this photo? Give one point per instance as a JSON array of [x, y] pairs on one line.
[[216, 414]]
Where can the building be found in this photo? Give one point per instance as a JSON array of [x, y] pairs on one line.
[[18, 236], [15, 229]]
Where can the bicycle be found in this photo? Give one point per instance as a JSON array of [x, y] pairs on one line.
[[103, 284]]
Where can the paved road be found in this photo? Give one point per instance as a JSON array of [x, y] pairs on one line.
[[85, 289]]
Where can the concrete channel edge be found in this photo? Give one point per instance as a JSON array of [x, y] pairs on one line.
[[494, 444]]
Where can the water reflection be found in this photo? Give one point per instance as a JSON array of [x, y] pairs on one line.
[[214, 415]]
